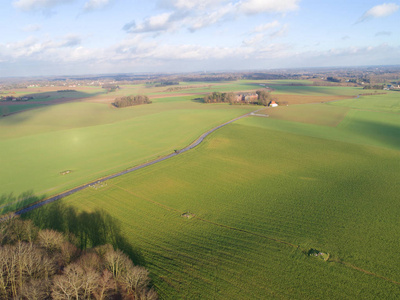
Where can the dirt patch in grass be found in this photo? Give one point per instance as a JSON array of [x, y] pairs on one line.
[[188, 215], [65, 172], [316, 253]]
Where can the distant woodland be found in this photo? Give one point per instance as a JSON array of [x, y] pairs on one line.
[[131, 100], [261, 97]]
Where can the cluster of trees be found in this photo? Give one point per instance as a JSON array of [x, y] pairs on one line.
[[217, 97], [165, 83], [110, 87], [131, 100], [333, 79], [374, 87], [46, 264], [65, 91], [262, 97]]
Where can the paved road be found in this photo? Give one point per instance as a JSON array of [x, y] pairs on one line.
[[79, 188]]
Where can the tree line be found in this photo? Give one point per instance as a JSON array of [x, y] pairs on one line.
[[261, 97], [374, 87], [131, 100], [217, 97], [46, 264]]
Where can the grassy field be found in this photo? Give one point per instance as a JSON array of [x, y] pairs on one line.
[[92, 140], [261, 192], [386, 103], [38, 146]]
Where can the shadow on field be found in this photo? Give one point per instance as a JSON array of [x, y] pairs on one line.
[[386, 134], [10, 202], [90, 228], [198, 100], [45, 99]]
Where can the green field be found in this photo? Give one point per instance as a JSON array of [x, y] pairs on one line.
[[92, 140], [262, 192]]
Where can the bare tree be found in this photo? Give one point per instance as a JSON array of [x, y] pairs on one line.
[[77, 282], [51, 240], [148, 294], [69, 285], [36, 290], [106, 286], [117, 263], [135, 281], [68, 252]]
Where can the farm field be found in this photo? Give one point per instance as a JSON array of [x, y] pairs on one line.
[[91, 140], [53, 148], [259, 194], [45, 96]]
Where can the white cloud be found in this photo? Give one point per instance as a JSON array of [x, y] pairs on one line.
[[96, 4], [161, 22], [208, 19], [142, 53], [28, 5], [380, 11], [197, 14], [281, 32], [254, 41], [191, 4], [32, 28], [267, 6], [263, 30], [266, 27], [34, 48], [70, 40]]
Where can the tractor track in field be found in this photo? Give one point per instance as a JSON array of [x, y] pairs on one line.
[[260, 235]]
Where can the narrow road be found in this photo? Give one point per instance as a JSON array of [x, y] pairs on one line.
[[79, 188]]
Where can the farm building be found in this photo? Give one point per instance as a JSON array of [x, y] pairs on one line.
[[273, 104], [247, 97]]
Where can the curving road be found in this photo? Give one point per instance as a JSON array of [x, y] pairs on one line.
[[79, 188]]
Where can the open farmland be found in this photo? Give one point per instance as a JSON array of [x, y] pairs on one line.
[[45, 96], [50, 149], [260, 193], [91, 140]]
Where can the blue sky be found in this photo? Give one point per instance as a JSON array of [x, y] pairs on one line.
[[63, 37]]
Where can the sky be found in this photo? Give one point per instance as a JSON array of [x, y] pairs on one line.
[[71, 37]]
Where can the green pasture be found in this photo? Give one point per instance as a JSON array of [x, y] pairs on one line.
[[260, 198], [319, 114], [359, 127], [92, 140], [389, 102], [317, 90], [280, 81], [260, 192]]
